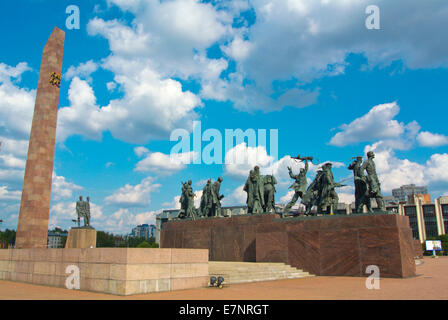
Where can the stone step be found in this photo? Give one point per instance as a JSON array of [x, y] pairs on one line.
[[241, 272]]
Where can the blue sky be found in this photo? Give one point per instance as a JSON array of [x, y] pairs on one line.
[[138, 69]]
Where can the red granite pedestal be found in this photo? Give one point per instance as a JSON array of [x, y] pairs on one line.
[[329, 245]]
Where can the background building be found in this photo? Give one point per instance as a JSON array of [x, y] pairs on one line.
[[56, 239], [426, 220], [144, 231], [402, 193]]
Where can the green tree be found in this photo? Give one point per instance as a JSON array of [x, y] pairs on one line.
[[144, 244], [8, 238]]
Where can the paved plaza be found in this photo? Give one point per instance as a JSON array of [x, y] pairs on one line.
[[431, 282]]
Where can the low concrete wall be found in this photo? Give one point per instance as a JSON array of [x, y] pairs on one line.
[[121, 271]]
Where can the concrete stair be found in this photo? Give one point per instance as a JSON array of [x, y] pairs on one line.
[[243, 272]]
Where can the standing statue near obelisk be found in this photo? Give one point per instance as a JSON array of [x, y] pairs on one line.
[[83, 211], [32, 227]]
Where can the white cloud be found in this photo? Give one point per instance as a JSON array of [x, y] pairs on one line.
[[16, 104], [123, 220], [140, 151], [62, 189], [111, 85], [241, 159], [5, 194], [394, 172], [134, 196], [238, 49], [163, 163], [378, 123], [428, 139], [83, 70], [237, 198], [10, 161], [83, 116]]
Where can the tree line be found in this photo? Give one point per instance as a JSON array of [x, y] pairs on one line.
[[103, 240]]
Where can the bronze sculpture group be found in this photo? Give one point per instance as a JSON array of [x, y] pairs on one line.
[[210, 205], [320, 194], [260, 192]]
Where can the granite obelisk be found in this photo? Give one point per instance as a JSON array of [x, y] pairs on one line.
[[32, 228]]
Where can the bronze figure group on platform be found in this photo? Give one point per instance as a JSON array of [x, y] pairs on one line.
[[320, 193]]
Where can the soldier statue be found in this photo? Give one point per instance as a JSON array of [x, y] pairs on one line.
[[374, 186], [299, 186], [361, 188], [255, 191], [311, 197], [216, 198], [205, 206], [249, 189], [269, 182], [328, 197], [186, 200], [83, 211]]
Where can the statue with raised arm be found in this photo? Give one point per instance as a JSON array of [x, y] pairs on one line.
[[299, 186], [361, 189], [374, 185]]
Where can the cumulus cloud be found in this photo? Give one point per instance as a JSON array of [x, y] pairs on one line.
[[378, 123], [394, 172], [83, 70], [16, 104], [163, 163], [83, 116], [238, 197], [134, 195], [241, 159], [428, 139], [123, 220], [62, 189], [6, 194]]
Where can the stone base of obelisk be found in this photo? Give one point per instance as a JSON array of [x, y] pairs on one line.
[[81, 238]]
